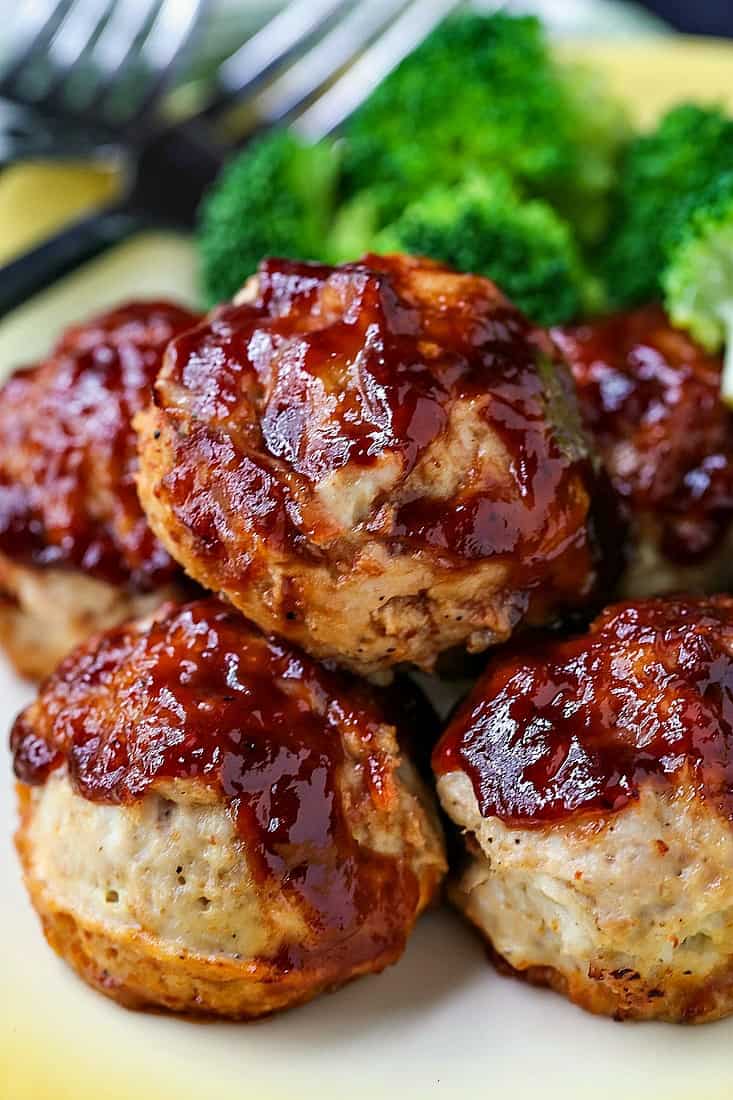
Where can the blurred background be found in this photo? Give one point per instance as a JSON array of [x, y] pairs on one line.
[[704, 17], [613, 17], [59, 163], [566, 16]]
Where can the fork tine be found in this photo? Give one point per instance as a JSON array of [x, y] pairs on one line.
[[69, 43], [312, 71], [34, 24], [350, 90], [272, 45], [112, 48], [159, 53]]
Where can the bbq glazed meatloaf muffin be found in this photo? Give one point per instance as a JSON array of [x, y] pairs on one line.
[[593, 779], [651, 398], [213, 823], [379, 461], [76, 552]]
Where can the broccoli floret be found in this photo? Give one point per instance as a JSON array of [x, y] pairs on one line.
[[600, 133], [275, 198], [698, 278], [662, 172], [484, 92], [483, 226]]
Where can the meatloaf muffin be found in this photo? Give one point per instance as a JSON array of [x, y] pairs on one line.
[[378, 461], [76, 552], [651, 399], [593, 781], [213, 823]]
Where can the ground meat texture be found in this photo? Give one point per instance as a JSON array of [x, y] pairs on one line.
[[592, 778], [76, 551], [211, 822], [378, 461]]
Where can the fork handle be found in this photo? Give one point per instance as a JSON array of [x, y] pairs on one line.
[[55, 257]]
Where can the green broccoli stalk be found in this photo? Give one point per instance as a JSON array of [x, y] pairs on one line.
[[275, 198], [662, 173], [485, 93], [355, 226], [484, 226], [698, 277]]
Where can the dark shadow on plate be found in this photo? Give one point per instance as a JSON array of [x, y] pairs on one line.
[[442, 957]]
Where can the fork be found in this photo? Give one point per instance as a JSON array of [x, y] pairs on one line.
[[309, 67], [96, 62]]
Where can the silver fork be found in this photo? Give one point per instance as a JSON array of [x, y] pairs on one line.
[[97, 62], [310, 66], [323, 86], [107, 64]]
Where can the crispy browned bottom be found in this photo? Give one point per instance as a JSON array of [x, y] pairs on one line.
[[137, 973], [624, 995], [140, 972]]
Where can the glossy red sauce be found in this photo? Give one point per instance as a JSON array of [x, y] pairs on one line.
[[202, 694], [335, 367], [68, 451], [651, 397], [564, 728]]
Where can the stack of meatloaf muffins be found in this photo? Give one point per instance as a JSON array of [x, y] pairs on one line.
[[225, 541]]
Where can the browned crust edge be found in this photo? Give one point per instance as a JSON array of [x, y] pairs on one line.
[[624, 994], [133, 969]]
